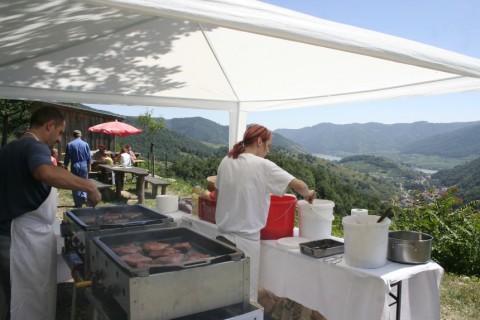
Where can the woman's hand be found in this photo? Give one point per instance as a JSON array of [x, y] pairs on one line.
[[302, 188], [311, 195]]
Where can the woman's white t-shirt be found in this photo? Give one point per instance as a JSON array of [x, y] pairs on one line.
[[125, 160], [245, 185]]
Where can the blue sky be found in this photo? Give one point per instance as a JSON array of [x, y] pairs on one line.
[[449, 24]]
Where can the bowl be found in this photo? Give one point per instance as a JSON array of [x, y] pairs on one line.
[[211, 183]]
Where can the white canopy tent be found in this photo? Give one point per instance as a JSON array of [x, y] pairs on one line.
[[236, 55]]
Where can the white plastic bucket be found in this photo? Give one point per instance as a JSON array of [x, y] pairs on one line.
[[315, 219], [366, 241], [167, 203]]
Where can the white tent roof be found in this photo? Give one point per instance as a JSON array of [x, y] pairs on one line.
[[235, 55]]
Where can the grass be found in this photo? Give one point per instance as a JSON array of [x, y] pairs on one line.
[[459, 295]]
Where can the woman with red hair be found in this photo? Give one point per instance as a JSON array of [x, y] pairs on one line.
[[245, 181]]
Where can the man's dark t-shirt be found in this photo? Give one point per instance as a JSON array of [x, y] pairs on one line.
[[20, 192]]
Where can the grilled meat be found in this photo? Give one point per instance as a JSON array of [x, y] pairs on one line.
[[154, 245], [135, 259], [182, 246], [127, 249], [196, 256], [162, 253], [170, 259]]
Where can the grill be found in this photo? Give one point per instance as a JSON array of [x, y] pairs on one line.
[[174, 289], [79, 227]]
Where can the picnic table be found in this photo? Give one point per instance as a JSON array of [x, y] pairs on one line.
[[119, 171]]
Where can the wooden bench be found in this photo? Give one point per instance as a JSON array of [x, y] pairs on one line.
[[102, 187], [93, 174], [155, 183]]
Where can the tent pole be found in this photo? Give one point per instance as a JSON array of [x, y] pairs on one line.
[[238, 125]]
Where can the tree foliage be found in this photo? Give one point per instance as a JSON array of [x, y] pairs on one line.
[[316, 173], [147, 122], [14, 115], [455, 228], [466, 177]]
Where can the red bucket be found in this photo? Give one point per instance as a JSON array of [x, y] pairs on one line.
[[281, 218]]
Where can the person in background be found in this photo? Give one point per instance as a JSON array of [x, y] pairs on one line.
[[245, 181], [130, 152], [124, 158], [28, 194], [78, 153], [100, 155], [54, 154]]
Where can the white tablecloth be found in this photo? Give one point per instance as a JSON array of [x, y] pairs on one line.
[[339, 291]]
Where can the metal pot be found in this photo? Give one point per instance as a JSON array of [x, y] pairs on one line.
[[409, 247]]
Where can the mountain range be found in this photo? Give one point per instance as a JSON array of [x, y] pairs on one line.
[[201, 137], [456, 139]]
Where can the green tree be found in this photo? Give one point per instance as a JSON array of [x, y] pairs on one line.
[[455, 228], [147, 122], [14, 115]]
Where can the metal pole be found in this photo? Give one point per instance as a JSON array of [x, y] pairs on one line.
[[153, 159], [166, 165]]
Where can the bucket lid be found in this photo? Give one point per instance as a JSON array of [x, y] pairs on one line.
[[317, 203], [291, 242]]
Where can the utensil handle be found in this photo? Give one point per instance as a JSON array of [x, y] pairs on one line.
[[384, 215]]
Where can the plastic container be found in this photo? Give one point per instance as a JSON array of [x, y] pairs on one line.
[[281, 218], [196, 193], [206, 208], [315, 219], [366, 241], [167, 203]]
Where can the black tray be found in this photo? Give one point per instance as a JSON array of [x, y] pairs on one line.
[[322, 248], [85, 217], [219, 251]]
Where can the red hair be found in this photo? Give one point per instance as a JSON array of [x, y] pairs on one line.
[[250, 136]]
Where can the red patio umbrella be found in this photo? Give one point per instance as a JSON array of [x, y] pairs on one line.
[[115, 128]]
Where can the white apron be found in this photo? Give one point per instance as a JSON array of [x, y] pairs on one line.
[[251, 248], [33, 263]]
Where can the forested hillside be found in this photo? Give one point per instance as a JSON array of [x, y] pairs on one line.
[[463, 142], [194, 135], [394, 174], [211, 132], [167, 144], [466, 177], [200, 129], [368, 138], [356, 181], [193, 161], [347, 188]]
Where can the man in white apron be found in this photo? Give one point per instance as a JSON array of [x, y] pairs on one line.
[[34, 252], [28, 182]]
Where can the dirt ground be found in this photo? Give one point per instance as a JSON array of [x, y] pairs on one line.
[[64, 302]]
